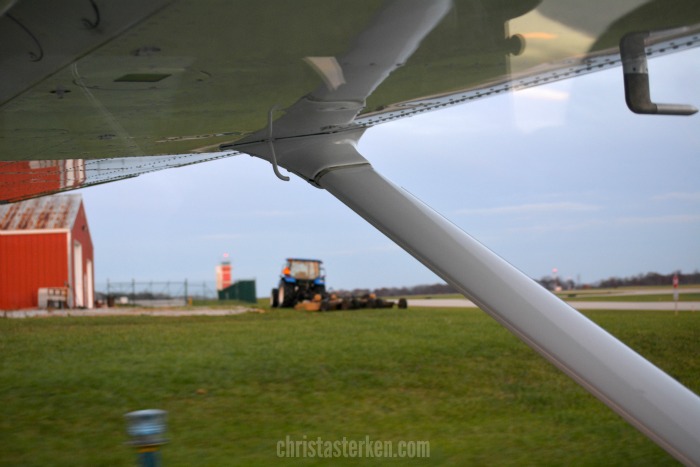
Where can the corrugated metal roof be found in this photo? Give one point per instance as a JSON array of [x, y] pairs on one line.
[[49, 212]]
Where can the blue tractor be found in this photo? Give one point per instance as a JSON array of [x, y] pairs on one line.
[[301, 279]]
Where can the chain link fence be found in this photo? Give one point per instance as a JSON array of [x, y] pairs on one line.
[[154, 293]]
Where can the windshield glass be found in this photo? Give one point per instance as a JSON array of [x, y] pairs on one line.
[[304, 269]]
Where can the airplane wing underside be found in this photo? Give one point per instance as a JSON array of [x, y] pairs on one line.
[[92, 92]]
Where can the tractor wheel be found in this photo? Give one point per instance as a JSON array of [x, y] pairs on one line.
[[285, 296], [274, 298], [403, 303]]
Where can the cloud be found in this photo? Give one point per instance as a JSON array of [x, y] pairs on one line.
[[388, 248], [547, 94], [541, 107], [276, 214], [670, 219], [533, 208], [576, 226], [678, 196], [221, 236], [556, 227]]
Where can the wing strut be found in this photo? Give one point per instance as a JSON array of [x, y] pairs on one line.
[[316, 139], [645, 396]]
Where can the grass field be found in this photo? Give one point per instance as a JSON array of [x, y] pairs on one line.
[[236, 386]]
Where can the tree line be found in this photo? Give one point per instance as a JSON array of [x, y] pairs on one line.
[[551, 283], [651, 278]]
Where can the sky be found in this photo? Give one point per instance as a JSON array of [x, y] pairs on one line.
[[558, 176]]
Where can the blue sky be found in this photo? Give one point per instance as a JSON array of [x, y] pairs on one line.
[[560, 176]]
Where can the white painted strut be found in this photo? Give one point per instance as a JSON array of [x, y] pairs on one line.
[[313, 140], [645, 396]]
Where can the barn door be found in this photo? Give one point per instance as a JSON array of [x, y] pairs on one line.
[[90, 286], [78, 285]]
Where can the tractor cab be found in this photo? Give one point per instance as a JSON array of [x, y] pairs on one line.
[[300, 280], [303, 269]]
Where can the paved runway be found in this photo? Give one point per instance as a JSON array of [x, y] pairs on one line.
[[464, 303]]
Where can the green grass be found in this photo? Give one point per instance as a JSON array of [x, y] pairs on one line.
[[235, 386]]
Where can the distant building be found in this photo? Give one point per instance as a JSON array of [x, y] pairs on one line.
[[46, 250], [228, 290], [223, 274], [242, 291]]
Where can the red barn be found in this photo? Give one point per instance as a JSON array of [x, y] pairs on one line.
[[45, 244]]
